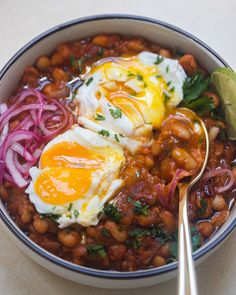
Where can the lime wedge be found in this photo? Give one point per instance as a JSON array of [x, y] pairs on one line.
[[224, 82]]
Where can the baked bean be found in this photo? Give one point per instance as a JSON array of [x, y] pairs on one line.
[[60, 75], [188, 62], [136, 45], [219, 203], [219, 218], [206, 229], [100, 40], [234, 173], [168, 220], [130, 174], [43, 63], [26, 215], [79, 251], [91, 231], [117, 234], [215, 98], [57, 59], [180, 131], [69, 238], [31, 76], [164, 251], [41, 225], [64, 51], [4, 193], [184, 159], [158, 261], [56, 90], [156, 148], [165, 53]]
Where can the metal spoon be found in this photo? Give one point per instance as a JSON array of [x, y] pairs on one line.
[[187, 278]]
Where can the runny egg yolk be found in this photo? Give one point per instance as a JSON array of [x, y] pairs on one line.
[[147, 104], [67, 173]]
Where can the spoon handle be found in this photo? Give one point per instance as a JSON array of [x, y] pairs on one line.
[[187, 278]]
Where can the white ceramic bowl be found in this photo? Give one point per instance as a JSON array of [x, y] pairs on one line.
[[45, 43]]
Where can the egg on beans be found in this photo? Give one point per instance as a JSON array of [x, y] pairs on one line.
[[129, 96], [78, 172]]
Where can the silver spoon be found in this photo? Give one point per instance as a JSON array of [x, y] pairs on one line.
[[187, 284]]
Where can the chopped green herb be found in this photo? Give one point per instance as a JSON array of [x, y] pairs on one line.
[[105, 232], [166, 97], [100, 51], [160, 234], [194, 86], [116, 137], [167, 69], [72, 60], [159, 59], [158, 76], [50, 216], [121, 135], [139, 232], [99, 117], [112, 212], [76, 213], [129, 199], [140, 209], [168, 83], [137, 244], [116, 113], [203, 208], [139, 77], [172, 89], [89, 81], [201, 105], [222, 135], [174, 249], [196, 239], [201, 139], [70, 206], [130, 74], [96, 249], [104, 132]]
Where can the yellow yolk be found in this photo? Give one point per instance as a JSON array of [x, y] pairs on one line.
[[148, 105], [67, 173]]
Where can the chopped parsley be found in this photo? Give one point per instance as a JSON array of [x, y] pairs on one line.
[[99, 117], [70, 206], [158, 76], [121, 135], [203, 208], [201, 105], [139, 232], [167, 69], [139, 77], [105, 232], [72, 60], [172, 89], [104, 132], [158, 60], [112, 212], [96, 249], [116, 137], [168, 83], [166, 97], [76, 213], [140, 209], [222, 135], [159, 233], [194, 86], [116, 113], [130, 74], [100, 51], [129, 199], [89, 81], [50, 216]]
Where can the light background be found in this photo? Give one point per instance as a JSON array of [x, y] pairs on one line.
[[214, 22]]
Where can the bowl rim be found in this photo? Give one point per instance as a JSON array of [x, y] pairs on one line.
[[106, 274]]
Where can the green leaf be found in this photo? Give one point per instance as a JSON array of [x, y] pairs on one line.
[[104, 132], [201, 105], [159, 59], [140, 209], [89, 81], [116, 113], [139, 232], [194, 86], [96, 249], [100, 117], [105, 232], [112, 212]]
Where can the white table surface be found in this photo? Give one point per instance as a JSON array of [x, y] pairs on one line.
[[214, 22]]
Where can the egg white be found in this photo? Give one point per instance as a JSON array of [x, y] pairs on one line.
[[105, 181]]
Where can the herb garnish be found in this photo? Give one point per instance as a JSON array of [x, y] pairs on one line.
[[76, 213], [104, 132], [96, 249], [116, 137], [70, 206], [116, 113], [89, 81], [140, 209], [50, 216], [105, 232], [167, 69], [112, 212], [72, 60], [158, 60], [139, 77], [203, 208], [201, 105], [100, 51], [99, 117]]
